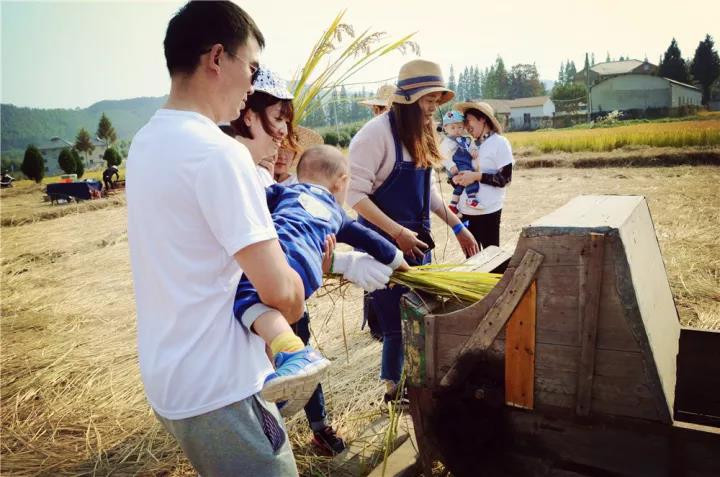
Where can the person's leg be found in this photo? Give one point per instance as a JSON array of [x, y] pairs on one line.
[[315, 407], [370, 317], [248, 435], [324, 435], [485, 228], [387, 307]]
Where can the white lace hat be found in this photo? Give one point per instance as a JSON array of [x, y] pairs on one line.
[[270, 83]]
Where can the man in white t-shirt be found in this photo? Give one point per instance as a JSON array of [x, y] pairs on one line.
[[195, 225]]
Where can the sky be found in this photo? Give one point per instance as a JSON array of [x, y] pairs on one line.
[[73, 54]]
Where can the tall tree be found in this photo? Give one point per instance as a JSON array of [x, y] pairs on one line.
[[705, 66], [112, 157], [570, 72], [452, 85], [66, 161], [79, 164], [33, 165], [502, 79], [106, 131], [561, 74], [568, 97], [83, 143], [475, 82], [524, 82], [673, 65]]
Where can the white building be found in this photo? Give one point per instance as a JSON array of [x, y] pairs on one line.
[[528, 113], [50, 151]]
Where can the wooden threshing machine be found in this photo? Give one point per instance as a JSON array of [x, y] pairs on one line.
[[574, 365]]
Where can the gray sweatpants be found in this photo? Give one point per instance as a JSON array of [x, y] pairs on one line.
[[244, 438]]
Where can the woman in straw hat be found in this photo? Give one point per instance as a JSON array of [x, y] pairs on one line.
[[380, 103], [392, 190], [493, 171], [304, 138]]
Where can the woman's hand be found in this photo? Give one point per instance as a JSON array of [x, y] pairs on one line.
[[268, 163], [327, 260], [465, 178], [409, 243], [467, 242]]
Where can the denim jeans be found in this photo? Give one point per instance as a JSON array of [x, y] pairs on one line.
[[386, 304], [315, 408]]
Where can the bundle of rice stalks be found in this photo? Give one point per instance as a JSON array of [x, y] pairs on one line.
[[448, 281]]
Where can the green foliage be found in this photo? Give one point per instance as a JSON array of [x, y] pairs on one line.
[[331, 138], [33, 165], [66, 161], [23, 126], [568, 97], [525, 82], [105, 130], [705, 66], [673, 65], [83, 143], [112, 157], [79, 164]]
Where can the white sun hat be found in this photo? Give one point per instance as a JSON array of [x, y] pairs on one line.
[[270, 83]]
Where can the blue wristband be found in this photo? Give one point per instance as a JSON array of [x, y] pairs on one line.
[[457, 228]]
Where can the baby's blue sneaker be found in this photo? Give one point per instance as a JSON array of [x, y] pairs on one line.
[[295, 378]]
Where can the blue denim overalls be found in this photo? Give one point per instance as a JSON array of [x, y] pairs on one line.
[[405, 198]]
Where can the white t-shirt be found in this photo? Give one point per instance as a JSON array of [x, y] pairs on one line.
[[292, 179], [194, 199], [266, 179], [493, 154]]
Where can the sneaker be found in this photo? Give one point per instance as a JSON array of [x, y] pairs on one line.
[[474, 203], [398, 399], [296, 376], [328, 441], [453, 208]]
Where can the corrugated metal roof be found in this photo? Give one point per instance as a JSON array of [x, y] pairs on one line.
[[616, 67], [682, 84], [60, 143]]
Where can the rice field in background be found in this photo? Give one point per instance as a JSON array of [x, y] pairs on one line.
[[698, 133], [72, 401]]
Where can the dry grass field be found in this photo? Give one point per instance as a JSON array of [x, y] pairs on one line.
[[72, 401]]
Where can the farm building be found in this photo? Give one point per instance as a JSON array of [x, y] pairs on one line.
[[640, 91], [611, 69], [528, 113], [50, 151], [523, 113]]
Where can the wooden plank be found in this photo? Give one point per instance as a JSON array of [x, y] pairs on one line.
[[403, 462], [422, 404], [465, 321], [590, 283], [697, 392], [499, 313], [520, 352], [430, 351]]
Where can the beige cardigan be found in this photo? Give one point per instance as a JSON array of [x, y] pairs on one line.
[[372, 157]]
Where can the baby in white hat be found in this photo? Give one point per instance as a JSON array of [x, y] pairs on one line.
[[459, 152]]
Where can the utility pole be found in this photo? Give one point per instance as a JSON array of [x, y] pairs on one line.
[[587, 86]]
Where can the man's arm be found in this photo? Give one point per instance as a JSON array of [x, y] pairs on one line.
[[278, 285]]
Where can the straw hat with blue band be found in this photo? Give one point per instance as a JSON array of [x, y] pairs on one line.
[[484, 108], [418, 78]]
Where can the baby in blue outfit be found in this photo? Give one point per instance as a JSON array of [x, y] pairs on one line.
[[459, 152]]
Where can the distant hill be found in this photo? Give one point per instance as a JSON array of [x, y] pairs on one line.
[[23, 126]]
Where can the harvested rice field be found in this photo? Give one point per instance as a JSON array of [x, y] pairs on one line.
[[72, 401]]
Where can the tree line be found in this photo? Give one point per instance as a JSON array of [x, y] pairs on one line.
[[70, 159]]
